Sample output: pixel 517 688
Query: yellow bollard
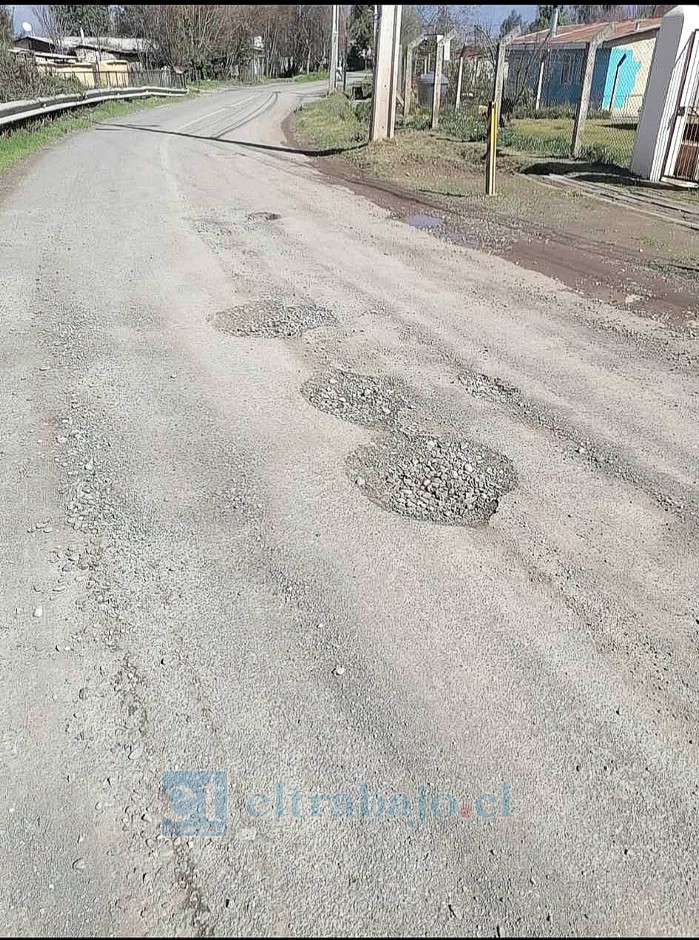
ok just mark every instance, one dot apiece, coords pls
pixel 492 149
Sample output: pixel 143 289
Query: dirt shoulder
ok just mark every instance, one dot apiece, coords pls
pixel 634 258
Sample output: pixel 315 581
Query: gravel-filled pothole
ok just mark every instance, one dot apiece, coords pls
pixel 272 318
pixel 364 399
pixel 452 482
pixel 492 389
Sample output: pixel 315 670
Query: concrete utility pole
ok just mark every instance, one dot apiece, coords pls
pixel 584 103
pixel 460 79
pixel 334 35
pixel 408 77
pixel 500 61
pixel 437 87
pixel 387 57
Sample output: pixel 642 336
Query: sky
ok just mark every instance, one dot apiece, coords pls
pixel 488 14
pixel 494 13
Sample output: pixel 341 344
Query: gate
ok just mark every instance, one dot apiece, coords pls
pixel 682 161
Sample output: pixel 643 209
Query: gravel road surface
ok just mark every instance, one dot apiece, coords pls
pixel 490 728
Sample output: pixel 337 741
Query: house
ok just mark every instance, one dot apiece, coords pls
pixel 84 48
pixel 548 69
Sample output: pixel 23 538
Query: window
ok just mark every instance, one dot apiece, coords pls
pixel 571 68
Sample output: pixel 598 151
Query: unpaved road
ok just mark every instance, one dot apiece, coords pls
pixel 193 577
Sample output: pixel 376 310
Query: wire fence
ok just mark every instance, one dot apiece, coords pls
pixel 544 92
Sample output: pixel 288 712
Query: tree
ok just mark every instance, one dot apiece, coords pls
pixel 93 19
pixel 6 30
pixel 512 20
pixel 544 16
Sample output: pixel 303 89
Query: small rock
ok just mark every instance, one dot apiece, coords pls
pixel 135 753
pixel 38 612
pixel 79 864
pixel 339 671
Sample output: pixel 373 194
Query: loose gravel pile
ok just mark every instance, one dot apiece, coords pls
pixel 363 399
pixel 452 482
pixel 492 389
pixel 271 318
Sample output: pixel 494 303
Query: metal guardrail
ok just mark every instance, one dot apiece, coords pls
pixel 14 111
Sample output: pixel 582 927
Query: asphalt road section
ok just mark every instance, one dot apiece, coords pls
pixel 398 537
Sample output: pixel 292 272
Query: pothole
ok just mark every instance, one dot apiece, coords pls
pixel 212 227
pixel 364 399
pixel 492 389
pixel 263 216
pixel 272 318
pixel 419 220
pixel 451 482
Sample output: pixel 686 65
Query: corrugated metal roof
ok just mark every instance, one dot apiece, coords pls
pixel 583 33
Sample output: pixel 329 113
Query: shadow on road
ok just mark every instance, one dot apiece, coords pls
pixel 591 172
pixel 150 129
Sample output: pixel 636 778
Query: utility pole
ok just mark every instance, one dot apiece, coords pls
pixel 345 21
pixel 386 63
pixel 332 76
pixel 460 79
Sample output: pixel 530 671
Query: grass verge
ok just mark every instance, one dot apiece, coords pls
pixel 311 76
pixel 332 123
pixel 19 143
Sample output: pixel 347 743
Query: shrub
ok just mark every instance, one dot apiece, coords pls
pixel 526 110
pixel 20 79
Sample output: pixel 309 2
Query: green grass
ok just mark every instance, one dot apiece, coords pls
pixel 331 123
pixel 312 76
pixel 17 144
pixel 546 137
pixel 601 142
pixel 204 84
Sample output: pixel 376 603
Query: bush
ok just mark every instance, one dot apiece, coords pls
pixel 463 125
pixel 599 153
pixel 526 110
pixel 20 79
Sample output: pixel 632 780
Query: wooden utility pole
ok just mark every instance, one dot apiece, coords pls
pixel 387 56
pixel 408 77
pixel 584 104
pixel 437 87
pixel 334 36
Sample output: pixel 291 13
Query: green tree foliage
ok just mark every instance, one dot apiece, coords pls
pixel 93 19
pixel 411 24
pixel 361 28
pixel 512 20
pixel 544 14
pixel 6 30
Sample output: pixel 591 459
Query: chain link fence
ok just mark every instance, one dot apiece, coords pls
pixel 544 90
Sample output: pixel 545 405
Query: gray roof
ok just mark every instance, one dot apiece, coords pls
pixel 111 43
